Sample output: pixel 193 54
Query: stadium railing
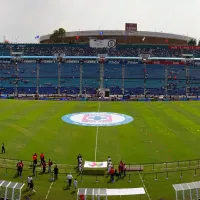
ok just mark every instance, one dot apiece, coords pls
pixel 147 167
pixel 144 176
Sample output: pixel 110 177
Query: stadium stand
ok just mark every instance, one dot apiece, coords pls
pixel 134 76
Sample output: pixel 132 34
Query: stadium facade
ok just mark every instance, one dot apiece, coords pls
pixel 123 37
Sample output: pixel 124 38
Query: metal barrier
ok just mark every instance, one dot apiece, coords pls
pixel 147 167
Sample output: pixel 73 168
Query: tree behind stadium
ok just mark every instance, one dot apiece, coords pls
pixel 58 36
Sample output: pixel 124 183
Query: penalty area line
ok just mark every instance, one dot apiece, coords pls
pixel 97 132
pixel 49 190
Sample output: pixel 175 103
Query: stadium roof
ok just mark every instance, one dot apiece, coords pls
pixel 112 33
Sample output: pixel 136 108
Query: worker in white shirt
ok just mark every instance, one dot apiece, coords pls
pixel 75 184
pixel 29 179
pixel 69 178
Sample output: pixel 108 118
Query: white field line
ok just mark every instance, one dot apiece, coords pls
pixel 97 132
pixel 49 190
pixel 144 186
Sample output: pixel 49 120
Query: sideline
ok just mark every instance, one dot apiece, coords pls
pixel 144 186
pixel 49 190
pixel 97 132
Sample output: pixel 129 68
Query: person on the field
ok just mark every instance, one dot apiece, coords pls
pixel 80 168
pixel 3 148
pixel 75 184
pixel 50 163
pixel 43 166
pixel 32 187
pixel 112 174
pixel 34 167
pixel 119 171
pixel 116 174
pixel 69 178
pixel 124 169
pixel 80 160
pixel 41 158
pixel 55 172
pixel 29 179
pixel 121 166
pixel 35 159
pixel 79 155
pixel 19 168
pixel 28 197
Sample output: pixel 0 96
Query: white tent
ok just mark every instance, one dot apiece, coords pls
pixel 187 190
pixel 103 192
pixel 10 190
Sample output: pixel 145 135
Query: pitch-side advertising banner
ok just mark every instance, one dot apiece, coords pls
pixel 106 43
pixel 90 164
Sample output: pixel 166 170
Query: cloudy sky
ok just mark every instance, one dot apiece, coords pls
pixel 25 19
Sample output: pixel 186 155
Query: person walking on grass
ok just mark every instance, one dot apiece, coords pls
pixel 75 184
pixel 29 179
pixel 50 163
pixel 32 187
pixel 43 166
pixel 41 158
pixel 3 148
pixel 124 169
pixel 55 171
pixel 69 178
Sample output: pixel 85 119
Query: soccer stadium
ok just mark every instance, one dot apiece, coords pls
pixel 104 114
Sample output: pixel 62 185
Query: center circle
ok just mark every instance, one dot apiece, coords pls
pixel 97 119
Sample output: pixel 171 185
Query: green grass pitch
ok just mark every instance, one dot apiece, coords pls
pixel 160 132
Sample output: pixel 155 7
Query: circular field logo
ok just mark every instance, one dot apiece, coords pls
pixel 97 119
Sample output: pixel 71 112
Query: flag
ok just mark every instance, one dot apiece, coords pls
pixel 143 39
pixel 37 37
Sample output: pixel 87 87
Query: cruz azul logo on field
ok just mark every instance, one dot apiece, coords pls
pixel 97 119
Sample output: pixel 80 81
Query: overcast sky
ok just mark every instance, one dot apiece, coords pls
pixel 27 18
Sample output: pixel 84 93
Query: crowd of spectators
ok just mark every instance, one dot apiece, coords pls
pixel 49 50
